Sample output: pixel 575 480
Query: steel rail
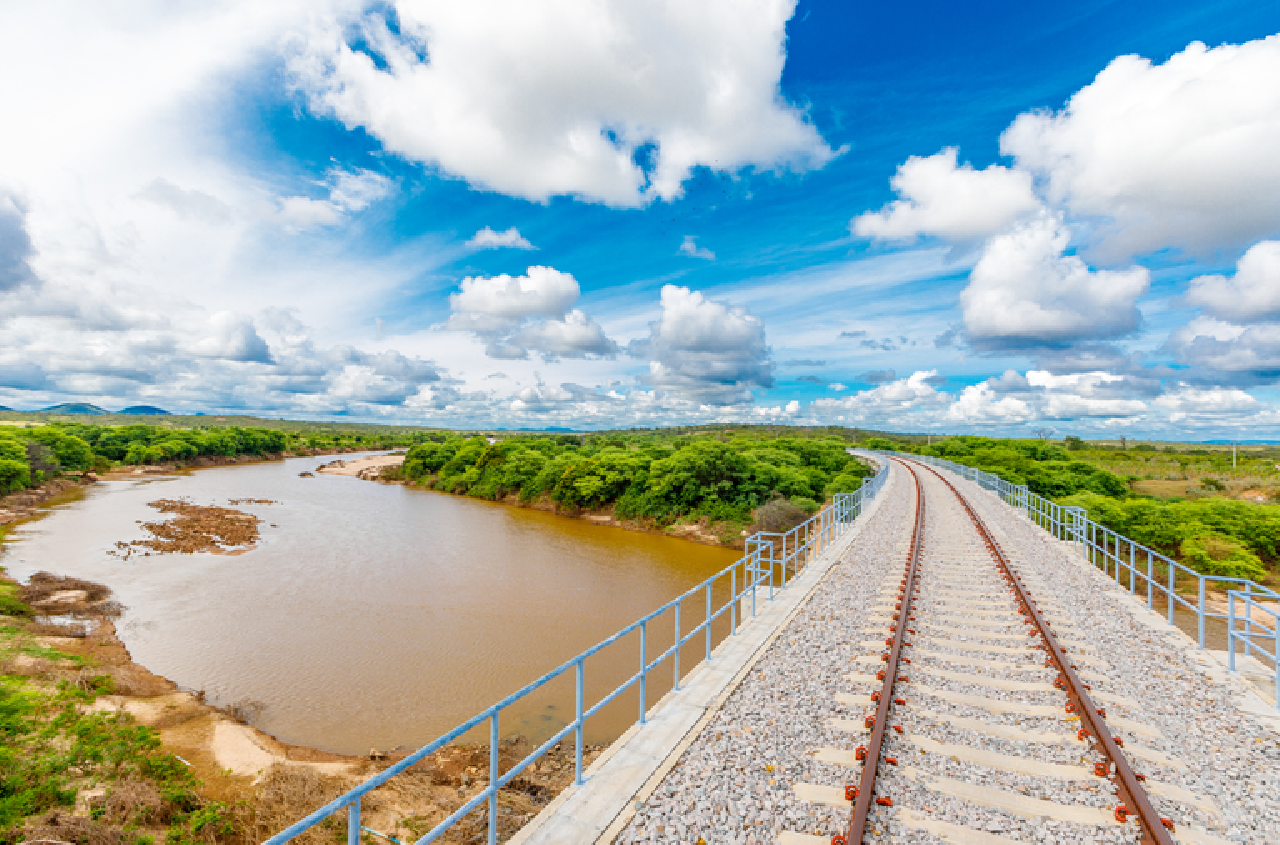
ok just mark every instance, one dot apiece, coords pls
pixel 862 795
pixel 1134 797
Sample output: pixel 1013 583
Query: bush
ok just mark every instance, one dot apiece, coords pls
pixel 14 475
pixel 1215 554
pixel 1213 536
pixel 777 517
pixel 809 506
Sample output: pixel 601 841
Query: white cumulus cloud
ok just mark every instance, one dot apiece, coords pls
pixel 541 292
pixel 704 350
pixel 501 311
pixel 949 201
pixel 1179 154
pixel 486 238
pixel 1025 291
pixel 611 100
pixel 1251 295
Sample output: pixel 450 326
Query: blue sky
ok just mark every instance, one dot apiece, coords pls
pixel 947 217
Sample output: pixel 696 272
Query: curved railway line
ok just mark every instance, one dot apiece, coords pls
pixel 961 678
pixel 960 601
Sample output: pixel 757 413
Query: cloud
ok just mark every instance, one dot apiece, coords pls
pixel 186 202
pixel 1251 295
pixel 878 376
pixel 704 350
pixel 486 238
pixel 1025 292
pixel 1220 351
pixel 543 399
pixel 1193 404
pixel 896 400
pixel 884 344
pixel 500 310
pixel 575 336
pixel 611 102
pixel 349 191
pixel 791 409
pixel 541 292
pixel 15 244
pixel 1179 154
pixel 810 379
pixel 853 334
pixel 1083 395
pixel 804 362
pixel 953 202
pixel 690 247
pixel 947 338
pixel 232 337
pixel 837 386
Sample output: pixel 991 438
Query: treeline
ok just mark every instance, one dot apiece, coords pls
pixel 1215 536
pixel 1048 469
pixel 660 478
pixel 29 456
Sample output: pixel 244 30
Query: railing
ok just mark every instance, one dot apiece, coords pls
pixel 1125 559
pixel 769 561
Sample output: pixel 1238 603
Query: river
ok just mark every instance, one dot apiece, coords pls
pixel 371 615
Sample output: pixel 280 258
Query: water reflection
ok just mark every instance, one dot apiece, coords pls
pixel 371 615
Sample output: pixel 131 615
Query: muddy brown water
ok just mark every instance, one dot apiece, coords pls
pixel 377 616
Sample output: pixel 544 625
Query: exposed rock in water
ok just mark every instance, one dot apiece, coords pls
pixel 195 529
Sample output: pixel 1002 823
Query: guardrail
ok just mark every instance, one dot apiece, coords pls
pixel 1119 556
pixel 769 561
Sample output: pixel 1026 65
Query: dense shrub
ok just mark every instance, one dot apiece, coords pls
pixel 778 516
pixel 1215 536
pixel 662 479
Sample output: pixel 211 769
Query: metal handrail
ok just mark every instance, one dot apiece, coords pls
pixel 769 559
pixel 1118 556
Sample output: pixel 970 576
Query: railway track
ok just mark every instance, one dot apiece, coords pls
pixel 966 646
pixel 942 689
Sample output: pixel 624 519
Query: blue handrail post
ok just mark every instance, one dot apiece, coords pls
pixel 755 579
pixel 708 622
pixel 1201 612
pixel 353 822
pixel 577 768
pixel 1231 632
pixel 495 772
pixel 733 599
pixel 1173 581
pixel 644 664
pixel 675 685
pixel 1151 581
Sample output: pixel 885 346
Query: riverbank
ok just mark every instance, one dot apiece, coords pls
pixel 182 762
pixel 723 535
pixel 236 784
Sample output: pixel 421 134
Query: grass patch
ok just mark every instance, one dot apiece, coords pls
pixel 53 746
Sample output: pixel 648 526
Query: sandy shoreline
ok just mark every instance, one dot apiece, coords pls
pixel 361 465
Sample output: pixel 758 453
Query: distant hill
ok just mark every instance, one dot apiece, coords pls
pixel 3 408
pixel 75 408
pixel 146 410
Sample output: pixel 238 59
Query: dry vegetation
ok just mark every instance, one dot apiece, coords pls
pixel 196 528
